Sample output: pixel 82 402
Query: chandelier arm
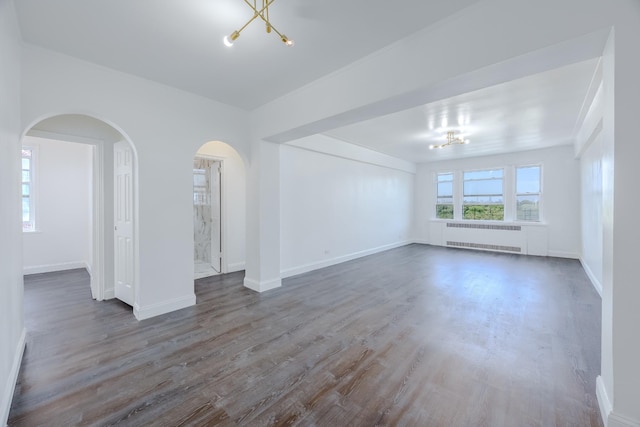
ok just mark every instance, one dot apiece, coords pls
pixel 263 14
pixel 248 22
pixel 259 12
pixel 276 31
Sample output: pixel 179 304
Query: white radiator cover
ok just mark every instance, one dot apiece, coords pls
pixel 512 238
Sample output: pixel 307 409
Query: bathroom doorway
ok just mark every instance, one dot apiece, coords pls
pixel 207 216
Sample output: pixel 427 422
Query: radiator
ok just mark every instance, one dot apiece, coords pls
pixel 492 237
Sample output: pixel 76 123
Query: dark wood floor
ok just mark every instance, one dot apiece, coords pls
pixel 415 336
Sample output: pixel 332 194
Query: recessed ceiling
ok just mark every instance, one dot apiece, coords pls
pixel 533 112
pixel 179 42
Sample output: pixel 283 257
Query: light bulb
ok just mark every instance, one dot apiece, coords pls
pixel 228 40
pixel 287 41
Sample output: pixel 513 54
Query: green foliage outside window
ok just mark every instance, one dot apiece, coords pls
pixel 486 212
pixel 444 211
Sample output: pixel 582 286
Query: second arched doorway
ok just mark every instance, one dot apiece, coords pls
pixel 219 210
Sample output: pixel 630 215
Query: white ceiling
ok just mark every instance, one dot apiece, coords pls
pixel 179 43
pixel 534 112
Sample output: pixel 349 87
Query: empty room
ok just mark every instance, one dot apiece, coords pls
pixel 286 212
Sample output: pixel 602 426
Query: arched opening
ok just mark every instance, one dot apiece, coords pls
pixel 71 212
pixel 219 210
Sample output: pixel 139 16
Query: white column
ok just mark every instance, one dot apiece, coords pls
pixel 262 270
pixel 619 384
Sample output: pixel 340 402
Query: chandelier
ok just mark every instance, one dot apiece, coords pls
pixel 451 140
pixel 262 13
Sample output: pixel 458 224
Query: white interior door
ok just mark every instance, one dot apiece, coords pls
pixel 216 216
pixel 123 193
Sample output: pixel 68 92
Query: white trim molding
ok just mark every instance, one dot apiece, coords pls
pixel 7 395
pixel 263 286
pixel 337 260
pixel 609 417
pixel 563 254
pixel 164 307
pixel 594 280
pixel 49 268
pixel 236 266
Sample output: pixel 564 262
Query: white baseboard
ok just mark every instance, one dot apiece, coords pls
pixel 617 420
pixel 603 400
pixel 609 417
pixel 109 293
pixel 263 286
pixel 562 254
pixel 293 271
pixel 49 268
pixel 594 280
pixel 420 242
pixel 10 387
pixel 236 266
pixel 164 307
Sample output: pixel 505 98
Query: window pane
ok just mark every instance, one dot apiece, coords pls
pixel 482 195
pixel 486 212
pixel 25 209
pixel 528 207
pixel 26 176
pixel 445 189
pixel 528 180
pixel 483 187
pixel 444 211
pixel 26 163
pixel 445 177
pixel 25 189
pixel 488 174
pixel 484 200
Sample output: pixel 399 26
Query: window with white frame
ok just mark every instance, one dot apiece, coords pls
pixel 482 197
pixel 528 193
pixel 28 200
pixel 444 203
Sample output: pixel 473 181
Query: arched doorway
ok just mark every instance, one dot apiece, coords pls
pixel 103 259
pixel 219 210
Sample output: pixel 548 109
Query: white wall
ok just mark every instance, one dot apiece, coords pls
pixel 560 194
pixel 63 201
pixel 591 212
pixel 166 127
pixel 234 202
pixel 11 317
pixel 589 149
pixel 335 208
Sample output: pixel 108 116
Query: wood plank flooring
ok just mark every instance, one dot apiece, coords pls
pixel 415 336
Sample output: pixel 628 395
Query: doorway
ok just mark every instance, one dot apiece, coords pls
pixel 99 257
pixel 207 216
pixel 219 208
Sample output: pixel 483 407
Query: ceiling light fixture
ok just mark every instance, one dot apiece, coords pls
pixel 262 14
pixel 451 140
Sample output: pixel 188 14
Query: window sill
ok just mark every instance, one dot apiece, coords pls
pixel 492 222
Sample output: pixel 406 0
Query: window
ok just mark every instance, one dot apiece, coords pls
pixel 444 203
pixel 482 195
pixel 201 197
pixel 28 210
pixel 528 193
